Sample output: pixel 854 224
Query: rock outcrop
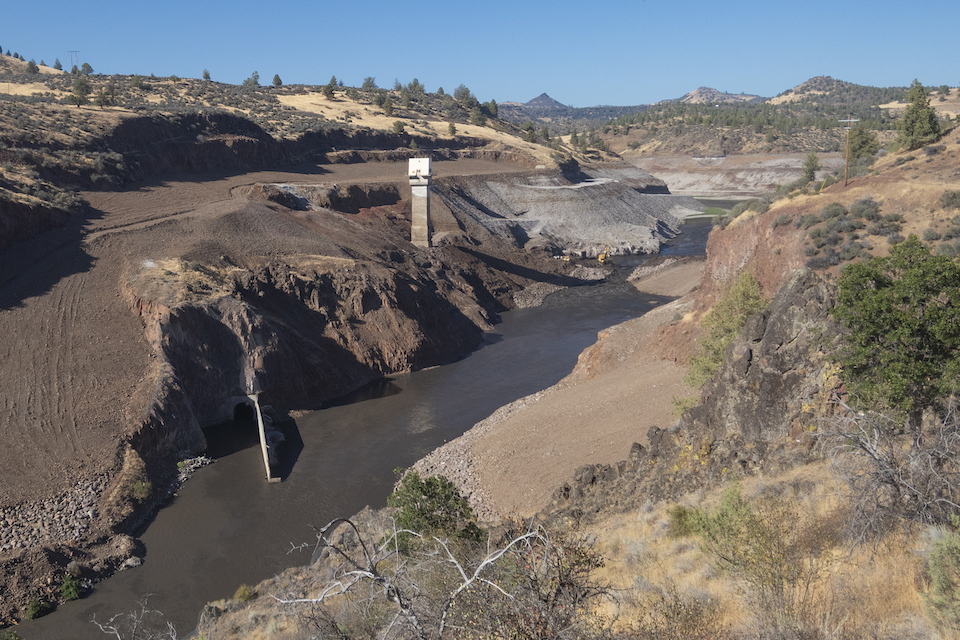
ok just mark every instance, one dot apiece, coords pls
pixel 301 336
pixel 754 415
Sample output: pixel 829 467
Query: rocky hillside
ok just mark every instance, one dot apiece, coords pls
pixel 706 95
pixel 799 120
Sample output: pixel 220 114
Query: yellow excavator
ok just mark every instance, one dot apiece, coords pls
pixel 604 256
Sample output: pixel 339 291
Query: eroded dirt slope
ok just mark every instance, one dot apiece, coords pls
pixel 73 352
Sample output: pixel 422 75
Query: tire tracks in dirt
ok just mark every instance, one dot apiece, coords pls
pixel 73 354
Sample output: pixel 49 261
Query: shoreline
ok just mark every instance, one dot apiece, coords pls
pixel 511 462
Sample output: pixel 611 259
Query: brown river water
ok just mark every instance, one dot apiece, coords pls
pixel 228 526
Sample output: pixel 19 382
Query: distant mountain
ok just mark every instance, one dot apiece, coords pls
pixel 559 117
pixel 543 101
pixel 706 95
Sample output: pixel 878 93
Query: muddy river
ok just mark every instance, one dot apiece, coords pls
pixel 228 526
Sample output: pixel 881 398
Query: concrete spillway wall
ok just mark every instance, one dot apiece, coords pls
pixel 253 401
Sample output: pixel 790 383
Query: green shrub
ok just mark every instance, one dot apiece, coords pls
pixel 245 593
pixel 781 220
pixel 681 522
pixel 673 614
pixel 433 506
pixel 833 210
pixel 758 205
pixel 950 200
pixel 37 609
pixel 70 589
pixel 771 548
pixel 142 489
pixel 808 221
pixel 865 208
pixel 943 598
pixel 818 263
pixel 948 249
pixel 930 235
pixel 903 350
pixel 10 634
pixel 721 325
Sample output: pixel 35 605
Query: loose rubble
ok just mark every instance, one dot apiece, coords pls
pixel 67 518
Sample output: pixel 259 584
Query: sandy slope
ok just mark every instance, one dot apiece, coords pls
pixel 513 461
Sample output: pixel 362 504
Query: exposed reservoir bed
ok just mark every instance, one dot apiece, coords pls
pixel 228 526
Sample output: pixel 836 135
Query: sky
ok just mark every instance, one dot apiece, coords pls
pixel 603 52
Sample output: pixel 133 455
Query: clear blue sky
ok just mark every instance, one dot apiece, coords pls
pixel 580 53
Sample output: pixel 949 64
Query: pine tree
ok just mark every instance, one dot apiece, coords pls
pixel 918 125
pixel 81 89
pixel 863 143
pixel 277 82
pixel 477 118
pixel 810 167
pixel 57 65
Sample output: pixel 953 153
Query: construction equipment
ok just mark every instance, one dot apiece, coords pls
pixel 604 256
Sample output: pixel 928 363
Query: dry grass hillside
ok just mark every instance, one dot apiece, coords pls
pixel 676 584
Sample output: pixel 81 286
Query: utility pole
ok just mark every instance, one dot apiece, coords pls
pixel 846 168
pixel 74 59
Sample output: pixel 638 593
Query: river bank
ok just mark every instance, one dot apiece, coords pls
pixel 511 462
